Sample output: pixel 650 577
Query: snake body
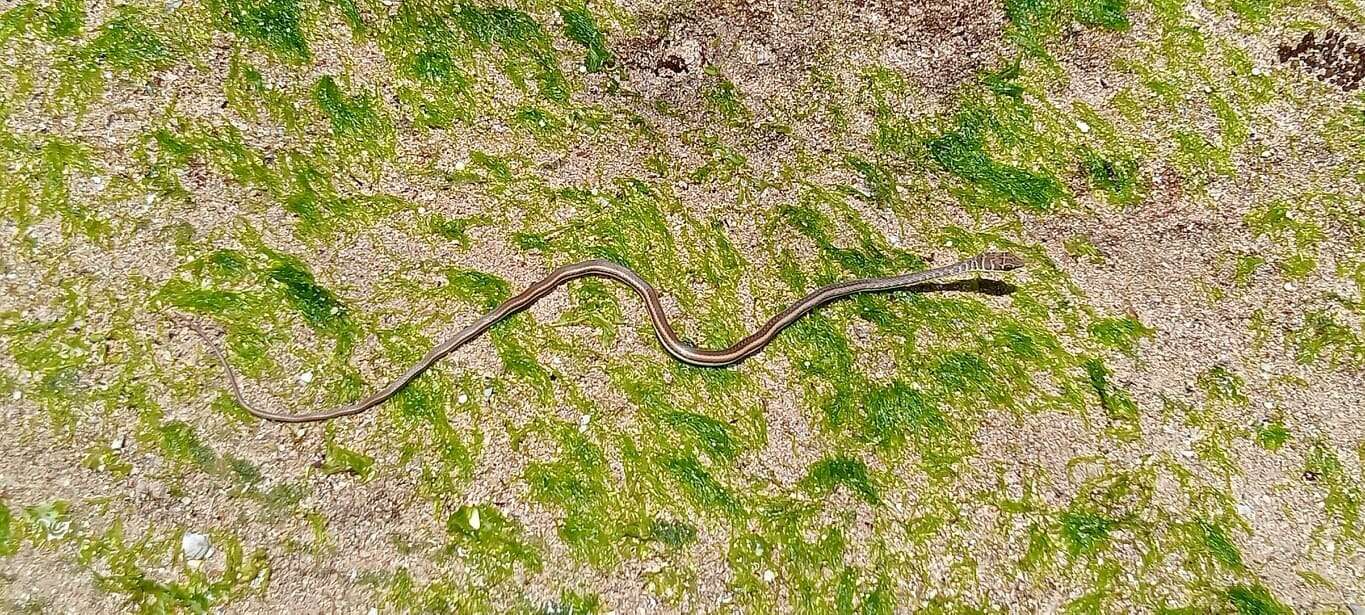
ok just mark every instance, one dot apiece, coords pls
pixel 680 350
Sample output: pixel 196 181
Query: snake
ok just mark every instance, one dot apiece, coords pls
pixel 668 338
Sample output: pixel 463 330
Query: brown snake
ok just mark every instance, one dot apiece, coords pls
pixel 741 350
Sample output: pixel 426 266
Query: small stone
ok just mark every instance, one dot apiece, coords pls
pixel 16 395
pixel 487 393
pixel 306 377
pixel 462 399
pixel 195 546
pixel 1256 71
pixel 373 611
pixel 1083 127
pixel 460 165
pixel 119 442
pixel 474 519
pixel 768 576
pixel 1289 287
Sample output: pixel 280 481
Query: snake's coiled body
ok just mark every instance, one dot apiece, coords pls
pixel 745 348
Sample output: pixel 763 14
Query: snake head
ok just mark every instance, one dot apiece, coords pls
pixel 999 261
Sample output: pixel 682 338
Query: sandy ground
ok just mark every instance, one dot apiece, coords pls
pixel 1161 257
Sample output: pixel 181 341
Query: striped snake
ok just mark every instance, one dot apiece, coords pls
pixel 682 351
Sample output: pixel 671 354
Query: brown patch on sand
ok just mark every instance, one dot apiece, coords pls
pixel 1330 56
pixel 772 48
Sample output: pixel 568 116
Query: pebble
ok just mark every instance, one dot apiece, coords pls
pixel 768 576
pixel 16 395
pixel 474 519
pixel 195 546
pixel 119 442
pixel 306 377
pixel 462 399
pixel 1083 127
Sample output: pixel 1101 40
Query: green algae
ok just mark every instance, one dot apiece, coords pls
pixel 324 212
pixel 724 99
pixel 672 533
pixel 1323 337
pixel 1272 435
pixel 578 485
pixel 496 545
pixel 64 19
pixel 827 475
pixel 41 186
pixel 9 531
pixel 1085 532
pixel 340 460
pixel 357 121
pixel 581 28
pixel 1119 408
pixel 1035 22
pixel 699 486
pixel 525 46
pixel 1254 600
pixel 1342 495
pixel 130 44
pixel 121 565
pixel 961 153
pixel 273 25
